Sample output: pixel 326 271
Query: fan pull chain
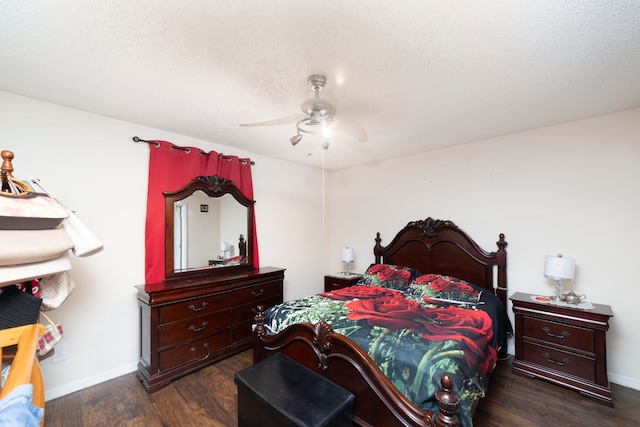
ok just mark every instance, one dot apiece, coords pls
pixel 323 210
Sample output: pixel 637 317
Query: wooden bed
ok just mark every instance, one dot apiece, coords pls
pixel 430 246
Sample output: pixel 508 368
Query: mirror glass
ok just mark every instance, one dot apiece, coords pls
pixel 209 229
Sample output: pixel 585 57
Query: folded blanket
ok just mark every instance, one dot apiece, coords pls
pixel 29 246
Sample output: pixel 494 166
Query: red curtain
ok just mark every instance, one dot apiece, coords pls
pixel 171 168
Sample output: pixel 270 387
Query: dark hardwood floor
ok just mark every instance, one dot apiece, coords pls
pixel 208 398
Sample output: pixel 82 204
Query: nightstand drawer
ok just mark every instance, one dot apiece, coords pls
pixel 558 333
pixel 569 363
pixel 332 283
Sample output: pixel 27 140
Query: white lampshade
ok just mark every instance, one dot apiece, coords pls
pixel 559 268
pixel 224 246
pixel 348 254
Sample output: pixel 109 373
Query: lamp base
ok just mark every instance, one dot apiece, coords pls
pixel 347 274
pixel 558 295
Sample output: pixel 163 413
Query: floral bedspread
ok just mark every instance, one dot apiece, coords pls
pixel 414 328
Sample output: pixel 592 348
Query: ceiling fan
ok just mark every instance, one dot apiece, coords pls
pixel 318 118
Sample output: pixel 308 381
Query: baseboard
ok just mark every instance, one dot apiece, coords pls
pixel 624 381
pixel 54 393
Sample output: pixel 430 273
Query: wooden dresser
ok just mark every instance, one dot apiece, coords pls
pixel 564 345
pixel 187 324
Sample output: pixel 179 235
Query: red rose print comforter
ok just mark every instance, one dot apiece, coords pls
pixel 415 327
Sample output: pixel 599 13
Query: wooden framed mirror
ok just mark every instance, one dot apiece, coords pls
pixel 208 229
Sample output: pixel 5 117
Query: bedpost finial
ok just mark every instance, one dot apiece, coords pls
pixel 377 248
pixel 448 403
pixel 7 156
pixel 7 168
pixel 502 244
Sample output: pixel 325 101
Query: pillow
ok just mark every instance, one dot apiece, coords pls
pixel 444 287
pixel 389 276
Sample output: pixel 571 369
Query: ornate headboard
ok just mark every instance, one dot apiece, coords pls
pixel 437 246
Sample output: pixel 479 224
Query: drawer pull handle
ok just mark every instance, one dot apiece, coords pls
pixel 556 362
pixel 257 293
pixel 194 308
pixel 193 352
pixel 200 329
pixel 561 337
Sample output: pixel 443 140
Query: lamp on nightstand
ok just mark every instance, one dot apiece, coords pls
pixel 559 269
pixel 224 248
pixel 348 256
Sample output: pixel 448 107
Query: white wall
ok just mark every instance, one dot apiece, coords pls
pixel 572 189
pixel 91 163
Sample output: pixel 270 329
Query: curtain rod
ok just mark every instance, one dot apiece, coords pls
pixel 186 149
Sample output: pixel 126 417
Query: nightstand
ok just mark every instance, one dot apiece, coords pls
pixel 564 345
pixel 339 281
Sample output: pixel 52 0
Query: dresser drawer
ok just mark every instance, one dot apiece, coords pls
pixel 252 294
pixel 563 361
pixel 195 307
pixel 196 351
pixel 242 332
pixel 558 333
pixel 246 313
pixel 194 328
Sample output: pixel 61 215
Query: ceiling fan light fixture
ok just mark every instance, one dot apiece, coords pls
pixel 318 118
pixel 295 139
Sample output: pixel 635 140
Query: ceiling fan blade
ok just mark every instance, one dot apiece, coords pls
pixel 294 118
pixel 351 127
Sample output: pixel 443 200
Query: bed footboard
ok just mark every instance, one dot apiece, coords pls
pixel 378 401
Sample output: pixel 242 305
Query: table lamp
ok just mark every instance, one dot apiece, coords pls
pixel 559 269
pixel 224 248
pixel 348 256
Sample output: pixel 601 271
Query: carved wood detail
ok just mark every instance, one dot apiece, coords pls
pixel 431 226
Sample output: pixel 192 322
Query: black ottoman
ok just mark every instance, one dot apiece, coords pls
pixel 280 392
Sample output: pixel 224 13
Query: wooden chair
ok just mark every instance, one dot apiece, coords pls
pixel 24 367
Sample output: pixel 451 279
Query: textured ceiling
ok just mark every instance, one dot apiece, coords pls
pixel 417 74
